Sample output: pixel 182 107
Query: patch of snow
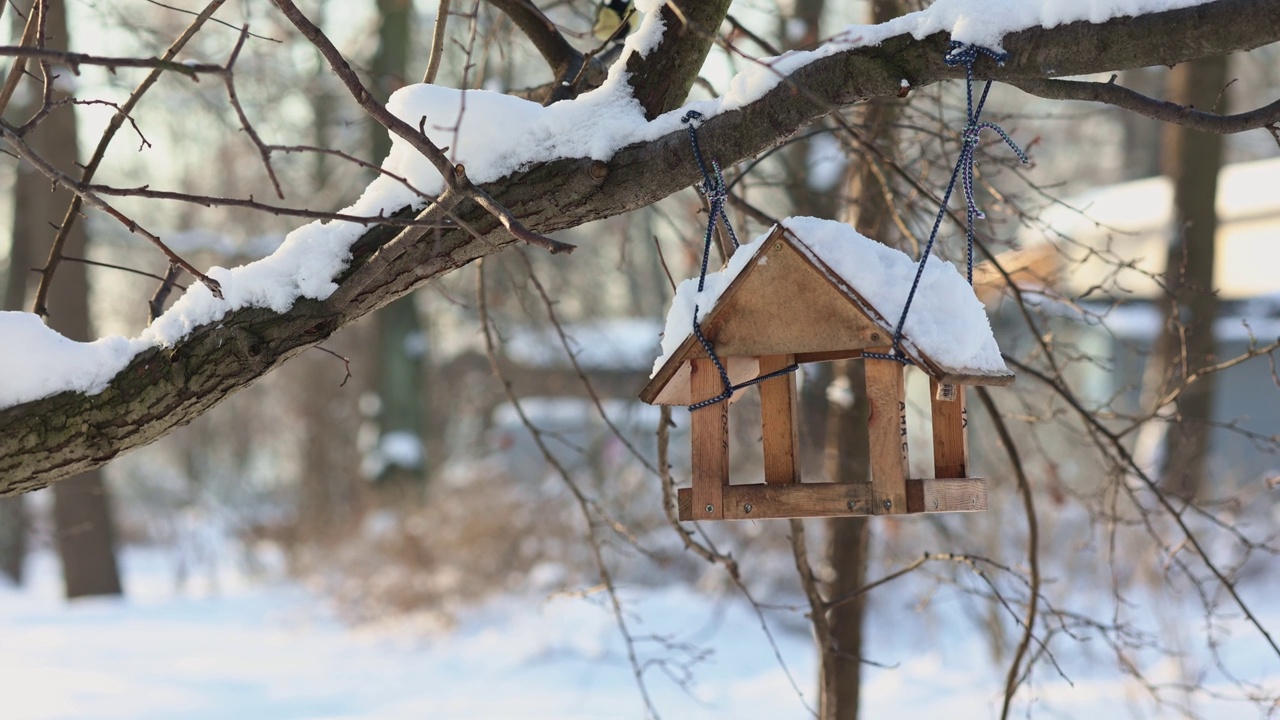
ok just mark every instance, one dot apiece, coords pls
pixel 947 322
pixel 986 22
pixel 689 299
pixel 494 135
pixel 36 361
pixel 401 448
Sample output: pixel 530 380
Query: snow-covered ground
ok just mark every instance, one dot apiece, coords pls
pixel 274 651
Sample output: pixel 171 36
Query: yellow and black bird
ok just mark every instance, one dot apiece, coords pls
pixel 610 14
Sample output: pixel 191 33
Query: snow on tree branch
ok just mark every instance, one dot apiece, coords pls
pixel 555 167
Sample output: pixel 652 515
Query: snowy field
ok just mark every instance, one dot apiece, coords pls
pixel 274 651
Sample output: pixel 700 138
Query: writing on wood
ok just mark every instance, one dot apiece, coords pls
pixel 887 396
pixel 950 437
pixel 710 433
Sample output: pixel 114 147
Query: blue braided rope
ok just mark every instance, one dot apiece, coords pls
pixel 714 189
pixel 966 55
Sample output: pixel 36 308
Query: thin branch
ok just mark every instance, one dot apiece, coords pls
pixel 97 263
pixel 74 60
pixel 92 200
pixel 346 362
pixel 455 177
pixel 40 306
pixel 1112 94
pixel 229 81
pixel 145 191
pixel 155 308
pixel 543 33
pixel 584 503
pixel 437 41
pixel 1014 676
pixel 216 20
pixel 20 64
pixel 1136 469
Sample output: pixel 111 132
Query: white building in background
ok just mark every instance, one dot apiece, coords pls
pixel 1133 221
pixel 1111 245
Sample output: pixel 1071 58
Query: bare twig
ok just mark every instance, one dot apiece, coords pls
pixel 1112 94
pixel 156 306
pixel 346 363
pixel 20 64
pixel 111 266
pixel 584 503
pixel 145 191
pixel 117 120
pixel 216 20
pixel 454 175
pixel 74 60
pixel 1033 550
pixel 92 200
pixel 437 41
pixel 229 80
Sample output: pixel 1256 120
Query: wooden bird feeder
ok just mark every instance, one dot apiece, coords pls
pixel 788 306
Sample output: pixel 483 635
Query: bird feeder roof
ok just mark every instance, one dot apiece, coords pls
pixel 818 290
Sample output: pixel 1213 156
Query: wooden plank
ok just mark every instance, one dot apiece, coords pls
pixel 887 395
pixel 764 502
pixel 950 436
pixel 947 495
pixel 833 355
pixel 779 421
pixel 710 433
pixel 677 389
pixel 780 304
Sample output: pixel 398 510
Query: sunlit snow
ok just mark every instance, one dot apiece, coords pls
pixel 492 135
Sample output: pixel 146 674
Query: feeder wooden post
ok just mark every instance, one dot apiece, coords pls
pixel 710 433
pixel 887 395
pixel 779 421
pixel 950 439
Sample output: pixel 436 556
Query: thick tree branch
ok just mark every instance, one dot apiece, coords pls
pixel 1162 110
pixel 661 79
pixel 545 36
pixel 163 388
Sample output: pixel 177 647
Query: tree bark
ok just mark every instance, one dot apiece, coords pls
pixel 401 338
pixel 163 388
pixel 850 538
pixel 81 510
pixel 1191 160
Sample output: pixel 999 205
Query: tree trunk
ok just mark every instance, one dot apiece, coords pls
pixel 849 539
pixel 1191 160
pixel 82 518
pixel 402 341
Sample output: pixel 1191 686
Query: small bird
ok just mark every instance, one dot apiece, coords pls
pixel 610 14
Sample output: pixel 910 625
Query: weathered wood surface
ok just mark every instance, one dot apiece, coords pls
pixel 764 501
pixel 887 424
pixel 950 436
pixel 710 439
pixel 165 388
pixel 779 421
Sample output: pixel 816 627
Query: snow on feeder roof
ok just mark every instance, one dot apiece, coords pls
pixel 820 290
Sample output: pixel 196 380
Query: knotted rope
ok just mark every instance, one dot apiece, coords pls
pixel 713 188
pixel 966 55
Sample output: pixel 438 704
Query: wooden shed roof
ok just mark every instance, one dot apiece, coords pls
pixel 788 300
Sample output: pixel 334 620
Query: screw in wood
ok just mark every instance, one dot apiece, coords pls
pixel 746 507
pixel 710 507
pixel 888 504
pixel 777 246
pixel 852 504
